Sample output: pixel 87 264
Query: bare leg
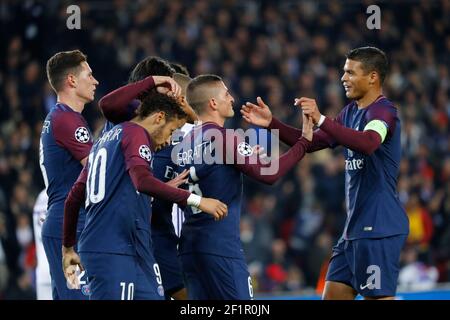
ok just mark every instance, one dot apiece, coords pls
pixel 338 291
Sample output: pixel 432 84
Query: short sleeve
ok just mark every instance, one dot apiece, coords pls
pixel 71 132
pixel 379 116
pixel 237 150
pixel 136 146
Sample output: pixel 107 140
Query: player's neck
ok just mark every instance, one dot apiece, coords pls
pixel 369 98
pixel 73 102
pixel 212 118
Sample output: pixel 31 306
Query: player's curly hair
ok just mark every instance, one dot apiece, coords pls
pixel 156 102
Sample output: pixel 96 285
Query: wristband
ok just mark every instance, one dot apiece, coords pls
pixel 321 120
pixel 194 200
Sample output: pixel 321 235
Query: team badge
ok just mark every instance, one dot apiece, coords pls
pixel 245 149
pixel 86 290
pixel 82 135
pixel 145 153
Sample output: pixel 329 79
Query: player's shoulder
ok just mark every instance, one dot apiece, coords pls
pixel 209 126
pixel 129 127
pixel 204 131
pixel 384 101
pixel 67 123
pixel 133 133
pixel 63 113
pixel 382 105
pixel 349 107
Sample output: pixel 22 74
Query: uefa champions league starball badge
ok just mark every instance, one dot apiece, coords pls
pixel 145 153
pixel 245 149
pixel 82 135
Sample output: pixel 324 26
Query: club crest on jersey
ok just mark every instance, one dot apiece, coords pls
pixel 145 153
pixel 86 290
pixel 245 149
pixel 82 135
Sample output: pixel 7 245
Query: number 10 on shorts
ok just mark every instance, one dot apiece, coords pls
pixel 127 291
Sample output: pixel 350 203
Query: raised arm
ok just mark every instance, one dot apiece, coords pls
pixel 269 172
pixel 259 114
pixel 120 104
pixel 380 121
pixel 143 180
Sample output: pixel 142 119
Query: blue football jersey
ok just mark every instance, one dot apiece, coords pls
pixel 373 207
pixel 65 140
pixel 165 169
pixel 118 216
pixel 200 232
pixel 125 115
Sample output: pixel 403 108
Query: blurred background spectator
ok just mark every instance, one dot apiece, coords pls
pixel 276 50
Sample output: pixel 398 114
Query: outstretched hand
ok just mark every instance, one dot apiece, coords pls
pixel 259 114
pixel 180 179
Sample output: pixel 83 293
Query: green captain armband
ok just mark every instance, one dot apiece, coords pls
pixel 378 126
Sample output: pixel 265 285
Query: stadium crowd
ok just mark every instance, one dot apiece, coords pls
pixel 278 50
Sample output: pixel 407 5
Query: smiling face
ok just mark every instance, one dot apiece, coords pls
pixel 85 83
pixel 355 80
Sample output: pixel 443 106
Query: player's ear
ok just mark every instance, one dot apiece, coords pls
pixel 71 80
pixel 373 78
pixel 160 117
pixel 213 103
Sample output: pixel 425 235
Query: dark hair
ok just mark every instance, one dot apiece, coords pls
pixel 155 102
pixel 151 66
pixel 196 93
pixel 179 68
pixel 372 59
pixel 61 64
